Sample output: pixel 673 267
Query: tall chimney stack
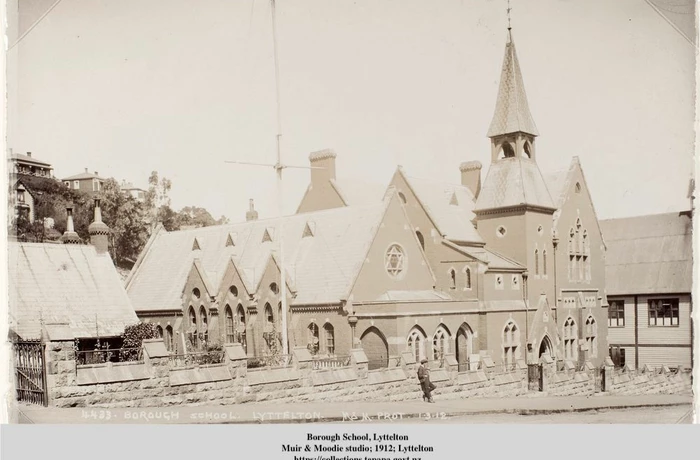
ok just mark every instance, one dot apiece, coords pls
pixel 252 214
pixel 323 167
pixel 70 236
pixel 471 176
pixel 29 154
pixel 99 232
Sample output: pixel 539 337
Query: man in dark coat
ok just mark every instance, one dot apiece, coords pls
pixel 424 379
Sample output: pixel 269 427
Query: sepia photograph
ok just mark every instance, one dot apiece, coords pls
pixel 349 212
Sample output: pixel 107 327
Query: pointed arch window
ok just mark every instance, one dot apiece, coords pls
pixel 192 330
pixel 159 331
pixel 203 327
pixel 240 327
pixel 169 338
pixel 329 336
pixel 537 262
pixel 416 343
pixel 441 343
pixel 511 345
pixel 421 240
pixel 468 278
pixel 312 339
pixel 230 325
pixel 544 262
pixel 592 337
pixel 453 279
pixel 570 334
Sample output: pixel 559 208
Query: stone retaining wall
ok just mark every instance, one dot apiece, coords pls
pixel 155 382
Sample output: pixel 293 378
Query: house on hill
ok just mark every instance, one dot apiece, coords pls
pixel 26 164
pixel 87 182
pixel 649 270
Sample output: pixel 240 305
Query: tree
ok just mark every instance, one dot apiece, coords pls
pixel 157 197
pixel 127 219
pixel 198 217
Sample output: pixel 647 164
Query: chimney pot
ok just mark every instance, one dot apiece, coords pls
pixel 471 176
pixel 85 169
pixel 252 214
pixel 96 173
pixel 323 164
pixel 29 154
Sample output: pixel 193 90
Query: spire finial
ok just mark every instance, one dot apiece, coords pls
pixel 508 12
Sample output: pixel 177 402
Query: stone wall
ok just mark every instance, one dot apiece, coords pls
pixel 156 382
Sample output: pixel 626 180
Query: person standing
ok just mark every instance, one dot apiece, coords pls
pixel 424 379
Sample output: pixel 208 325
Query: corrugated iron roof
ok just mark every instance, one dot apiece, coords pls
pixel 648 254
pixel 512 112
pixel 72 284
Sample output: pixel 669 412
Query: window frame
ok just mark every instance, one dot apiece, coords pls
pixel 616 311
pixel 654 305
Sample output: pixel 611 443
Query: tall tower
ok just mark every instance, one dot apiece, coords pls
pixel 514 208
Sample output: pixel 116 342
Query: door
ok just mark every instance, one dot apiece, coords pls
pixel 376 348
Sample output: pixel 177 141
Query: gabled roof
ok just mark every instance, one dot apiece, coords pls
pixel 66 283
pixel 512 112
pixel 494 260
pixel 512 182
pixel 320 268
pixel 650 254
pixel 454 221
pixel 358 193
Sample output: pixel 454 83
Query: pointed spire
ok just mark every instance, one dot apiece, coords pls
pixel 98 230
pixel 512 112
pixel 70 236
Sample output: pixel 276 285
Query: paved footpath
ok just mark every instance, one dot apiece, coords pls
pixel 334 412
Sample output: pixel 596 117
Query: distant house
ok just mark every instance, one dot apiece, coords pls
pixel 67 287
pixel 21 200
pixel 27 165
pixel 649 278
pixel 131 189
pixel 85 182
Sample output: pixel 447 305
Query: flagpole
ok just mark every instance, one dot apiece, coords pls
pixel 278 168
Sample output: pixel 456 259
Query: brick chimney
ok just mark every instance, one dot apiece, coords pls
pixel 471 176
pixel 29 154
pixel 252 214
pixel 99 232
pixel 70 236
pixel 323 163
pixel 85 169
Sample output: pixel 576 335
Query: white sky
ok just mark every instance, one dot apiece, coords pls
pixel 178 86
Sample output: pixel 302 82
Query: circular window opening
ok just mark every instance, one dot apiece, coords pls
pixel 274 288
pixel 395 261
pixel 403 197
pixel 196 293
pixel 234 291
pixel 501 231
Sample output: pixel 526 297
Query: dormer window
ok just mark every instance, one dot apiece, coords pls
pixel 309 230
pixel 195 245
pixel 267 236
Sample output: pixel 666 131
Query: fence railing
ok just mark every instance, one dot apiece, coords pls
pixel 273 361
pixel 203 358
pixel 116 355
pixel 333 362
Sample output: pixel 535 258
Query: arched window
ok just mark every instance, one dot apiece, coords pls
pixel 416 343
pixel 527 150
pixel 468 278
pixel 421 240
pixel 506 151
pixel 570 335
pixel 453 279
pixel 571 240
pixel 441 343
pixel 586 242
pixel 229 325
pixel 234 291
pixel 204 326
pixel 577 188
pixel 537 262
pixel 592 337
pixel 544 262
pixel 192 330
pixel 269 318
pixel 511 344
pixel 312 342
pixel 159 331
pixel 240 327
pixel 274 288
pixel 169 345
pixel 329 334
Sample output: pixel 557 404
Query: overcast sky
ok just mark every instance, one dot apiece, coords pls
pixel 127 87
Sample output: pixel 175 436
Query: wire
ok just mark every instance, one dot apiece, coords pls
pixel 34 25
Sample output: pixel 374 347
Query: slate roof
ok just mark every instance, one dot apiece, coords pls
pixel 449 206
pixel 65 283
pixel 512 112
pixel 648 254
pixel 413 296
pixel 512 182
pixel 82 176
pixel 359 193
pixel 321 268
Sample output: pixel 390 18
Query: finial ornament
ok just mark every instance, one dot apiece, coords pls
pixel 508 12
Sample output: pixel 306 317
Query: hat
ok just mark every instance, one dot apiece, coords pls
pixel 423 361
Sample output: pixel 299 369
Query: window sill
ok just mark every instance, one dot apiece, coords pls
pixel 662 326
